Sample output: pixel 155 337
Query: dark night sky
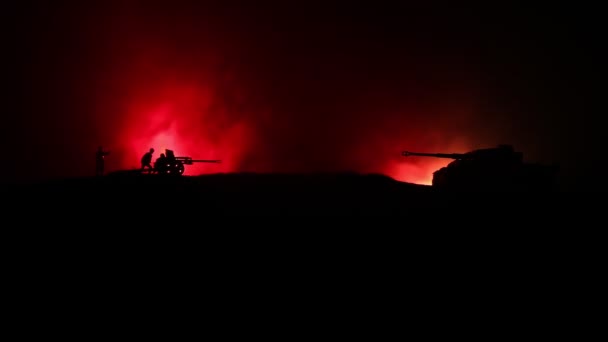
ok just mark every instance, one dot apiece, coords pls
pixel 298 85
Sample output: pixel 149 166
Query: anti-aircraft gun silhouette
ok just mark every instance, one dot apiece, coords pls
pixel 498 168
pixel 172 165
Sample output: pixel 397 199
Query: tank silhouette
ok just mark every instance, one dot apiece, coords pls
pixel 498 168
pixel 172 165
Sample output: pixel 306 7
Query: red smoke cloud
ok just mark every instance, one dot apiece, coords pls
pixel 282 87
pixel 268 111
pixel 199 117
pixel 192 119
pixel 189 120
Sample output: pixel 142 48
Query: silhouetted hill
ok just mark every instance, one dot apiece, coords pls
pixel 251 193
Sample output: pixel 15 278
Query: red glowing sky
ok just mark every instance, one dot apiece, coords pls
pixel 185 119
pixel 191 119
pixel 296 86
pixel 288 106
pixel 263 88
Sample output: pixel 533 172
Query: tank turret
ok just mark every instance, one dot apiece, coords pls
pixel 498 168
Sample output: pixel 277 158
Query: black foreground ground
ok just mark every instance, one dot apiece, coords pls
pixel 270 194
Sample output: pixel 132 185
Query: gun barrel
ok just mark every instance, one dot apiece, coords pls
pixel 188 160
pixel 206 160
pixel 436 155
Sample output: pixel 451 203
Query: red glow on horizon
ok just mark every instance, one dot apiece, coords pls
pixel 384 149
pixel 417 173
pixel 419 170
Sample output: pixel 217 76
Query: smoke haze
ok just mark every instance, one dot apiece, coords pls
pixel 273 87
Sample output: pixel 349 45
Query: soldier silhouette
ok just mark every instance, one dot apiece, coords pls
pixel 160 165
pixel 100 161
pixel 146 161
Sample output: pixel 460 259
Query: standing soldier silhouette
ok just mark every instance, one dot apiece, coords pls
pixel 100 156
pixel 146 161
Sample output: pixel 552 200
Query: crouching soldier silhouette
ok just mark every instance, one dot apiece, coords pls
pixel 100 156
pixel 160 165
pixel 146 161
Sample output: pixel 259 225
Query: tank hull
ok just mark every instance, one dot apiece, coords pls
pixel 488 178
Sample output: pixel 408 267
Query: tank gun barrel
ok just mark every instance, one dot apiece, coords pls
pixel 436 155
